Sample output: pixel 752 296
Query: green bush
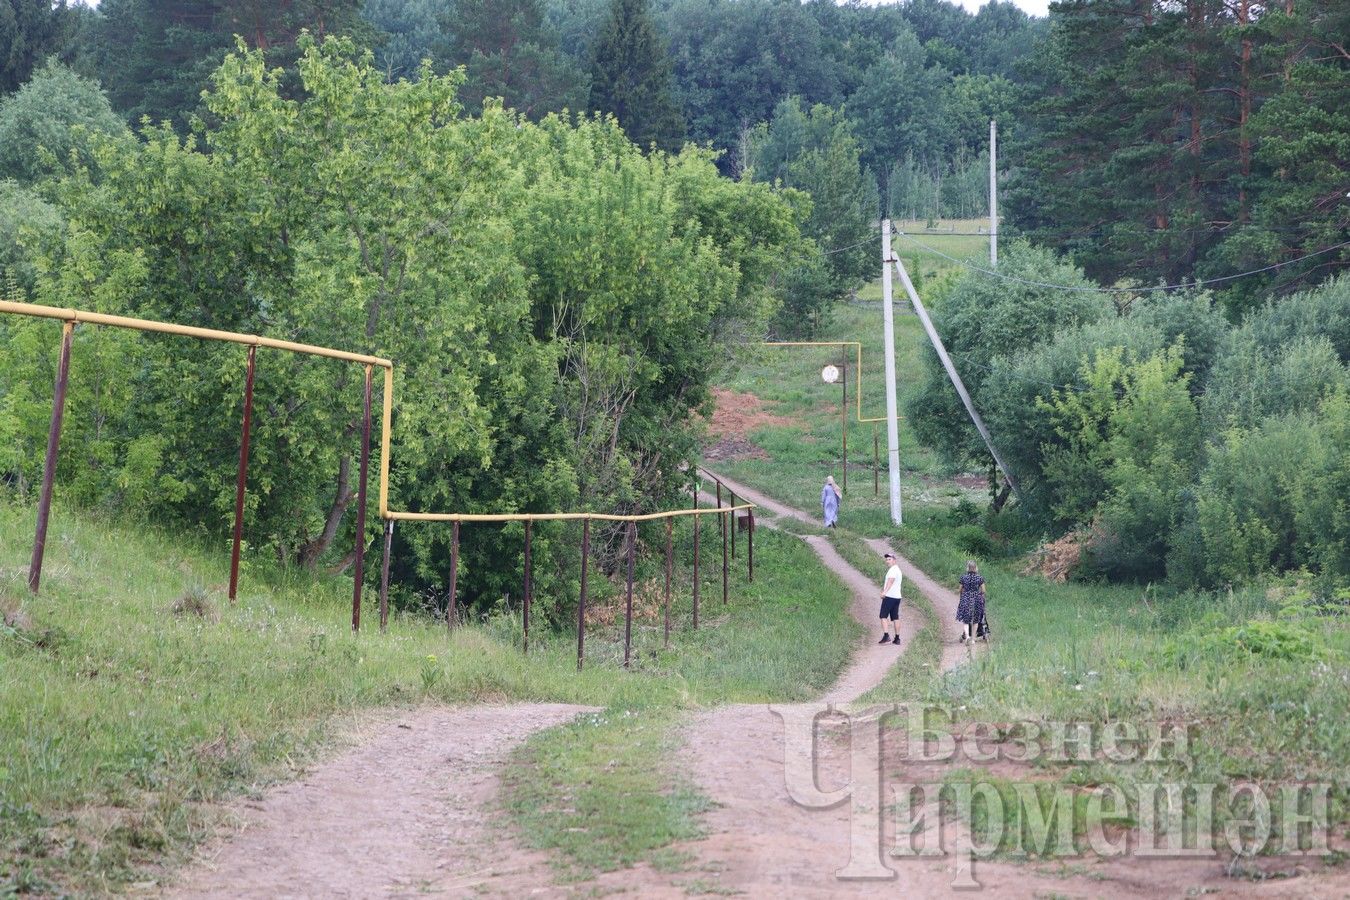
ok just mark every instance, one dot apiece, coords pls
pixel 1272 498
pixel 975 540
pixel 1273 640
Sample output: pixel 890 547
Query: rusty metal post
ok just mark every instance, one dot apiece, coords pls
pixel 670 549
pixel 628 614
pixel 243 469
pixel 49 461
pixel 722 521
pixel 361 508
pixel 384 574
pixel 581 606
pixel 723 517
pixel 750 545
pixel 696 531
pixel 733 525
pixel 529 589
pixel 876 463
pixel 451 607
pixel 843 417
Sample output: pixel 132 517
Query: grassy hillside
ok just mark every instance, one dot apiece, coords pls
pixel 133 697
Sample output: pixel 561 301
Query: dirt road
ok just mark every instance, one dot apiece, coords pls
pixel 409 811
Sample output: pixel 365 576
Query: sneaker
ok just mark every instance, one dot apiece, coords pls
pixel 885 639
pixel 897 643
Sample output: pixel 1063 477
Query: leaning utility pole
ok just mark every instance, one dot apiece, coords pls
pixel 951 371
pixel 993 194
pixel 892 425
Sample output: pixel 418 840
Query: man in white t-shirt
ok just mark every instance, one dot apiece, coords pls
pixel 890 601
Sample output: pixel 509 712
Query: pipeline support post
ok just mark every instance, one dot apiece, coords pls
pixel 628 606
pixel 49 460
pixel 581 605
pixel 733 523
pixel 750 544
pixel 243 471
pixel 723 517
pixel 529 590
pixel 670 552
pixel 843 413
pixel 696 530
pixel 876 463
pixel 361 507
pixel 451 608
pixel 384 574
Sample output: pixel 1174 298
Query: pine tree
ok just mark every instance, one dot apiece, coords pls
pixel 29 30
pixel 631 78
pixel 508 52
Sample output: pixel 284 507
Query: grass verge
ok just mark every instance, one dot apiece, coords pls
pixel 134 698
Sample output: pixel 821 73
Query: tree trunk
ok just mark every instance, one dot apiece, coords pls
pixel 314 549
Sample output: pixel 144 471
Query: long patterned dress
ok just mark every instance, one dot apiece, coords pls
pixel 971 607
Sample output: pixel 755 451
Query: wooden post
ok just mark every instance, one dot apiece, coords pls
pixel 525 609
pixel 451 608
pixel 239 478
pixel 581 606
pixel 359 574
pixel 49 461
pixel 628 613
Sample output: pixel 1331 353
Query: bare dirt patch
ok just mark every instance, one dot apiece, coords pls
pixel 734 417
pixel 408 812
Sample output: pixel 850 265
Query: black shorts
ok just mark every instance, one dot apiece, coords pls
pixel 890 608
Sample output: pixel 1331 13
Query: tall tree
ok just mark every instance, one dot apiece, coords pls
pixel 29 30
pixel 815 151
pixel 49 125
pixel 735 60
pixel 509 51
pixel 155 57
pixel 631 78
pixel 410 31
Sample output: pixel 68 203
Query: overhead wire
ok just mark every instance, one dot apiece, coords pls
pixel 1102 290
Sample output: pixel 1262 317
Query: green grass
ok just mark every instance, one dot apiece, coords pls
pixel 1067 652
pixel 124 724
pixel 598 792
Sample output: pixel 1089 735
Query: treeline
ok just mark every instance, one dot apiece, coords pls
pixel 556 303
pixel 909 89
pixel 1191 139
pixel 1173 444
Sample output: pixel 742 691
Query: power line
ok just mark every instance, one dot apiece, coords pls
pixel 1102 290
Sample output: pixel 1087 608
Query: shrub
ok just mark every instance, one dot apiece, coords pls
pixel 975 540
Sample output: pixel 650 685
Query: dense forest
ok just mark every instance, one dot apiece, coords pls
pixel 556 215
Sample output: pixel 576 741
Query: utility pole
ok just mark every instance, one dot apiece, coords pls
pixel 892 425
pixel 993 194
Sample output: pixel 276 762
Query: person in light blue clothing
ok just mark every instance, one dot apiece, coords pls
pixel 829 501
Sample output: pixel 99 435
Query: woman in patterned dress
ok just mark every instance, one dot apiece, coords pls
pixel 970 610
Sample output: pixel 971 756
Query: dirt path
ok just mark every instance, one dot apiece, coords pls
pixel 401 815
pixel 761 843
